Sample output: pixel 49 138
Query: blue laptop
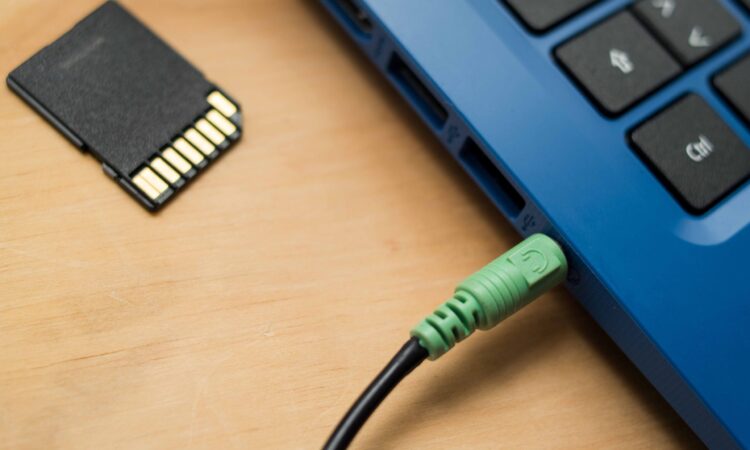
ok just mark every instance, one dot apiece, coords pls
pixel 621 128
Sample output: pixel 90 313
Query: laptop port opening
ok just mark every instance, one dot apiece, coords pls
pixel 356 16
pixel 491 179
pixel 417 92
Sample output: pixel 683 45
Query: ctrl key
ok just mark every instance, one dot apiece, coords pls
pixel 696 154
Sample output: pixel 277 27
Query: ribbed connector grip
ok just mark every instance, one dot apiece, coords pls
pixel 487 297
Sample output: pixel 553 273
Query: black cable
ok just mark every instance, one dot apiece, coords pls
pixel 406 360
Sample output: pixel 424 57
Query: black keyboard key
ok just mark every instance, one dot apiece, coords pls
pixel 540 15
pixel 694 152
pixel 691 29
pixel 734 85
pixel 617 62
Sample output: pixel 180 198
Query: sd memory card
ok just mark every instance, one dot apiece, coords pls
pixel 116 90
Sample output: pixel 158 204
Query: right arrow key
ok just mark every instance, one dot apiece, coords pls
pixel 692 29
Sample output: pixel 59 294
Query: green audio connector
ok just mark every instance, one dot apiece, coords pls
pixel 481 301
pixel 489 296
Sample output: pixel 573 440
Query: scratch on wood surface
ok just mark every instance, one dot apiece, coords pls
pixel 115 296
pixel 268 330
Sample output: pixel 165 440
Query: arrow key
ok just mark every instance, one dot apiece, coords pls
pixel 692 29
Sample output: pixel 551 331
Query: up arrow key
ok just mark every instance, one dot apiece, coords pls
pixel 621 60
pixel 697 39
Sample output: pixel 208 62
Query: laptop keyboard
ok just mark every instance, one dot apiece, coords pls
pixel 623 59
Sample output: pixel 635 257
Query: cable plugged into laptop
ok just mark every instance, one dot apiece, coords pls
pixel 481 301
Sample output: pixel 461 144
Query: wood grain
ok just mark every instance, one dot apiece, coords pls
pixel 252 310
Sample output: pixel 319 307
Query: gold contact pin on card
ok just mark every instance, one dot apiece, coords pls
pixel 177 161
pixel 188 151
pixel 199 142
pixel 153 179
pixel 218 101
pixel 221 122
pixel 165 170
pixel 145 187
pixel 210 131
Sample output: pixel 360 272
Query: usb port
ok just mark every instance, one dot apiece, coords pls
pixel 491 179
pixel 417 92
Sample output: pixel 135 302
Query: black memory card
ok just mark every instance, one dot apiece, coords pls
pixel 116 90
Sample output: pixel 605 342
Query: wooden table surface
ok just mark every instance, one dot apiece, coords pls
pixel 254 308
